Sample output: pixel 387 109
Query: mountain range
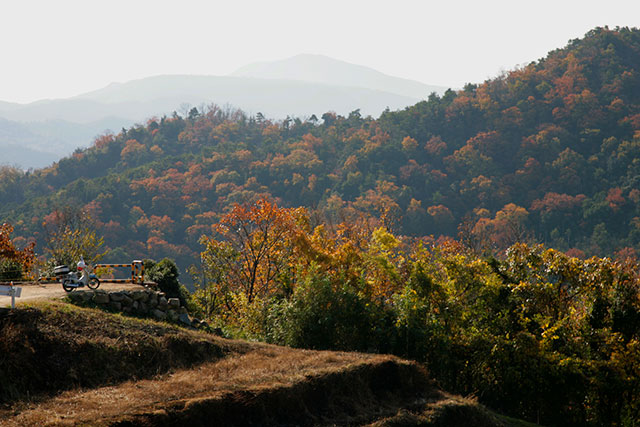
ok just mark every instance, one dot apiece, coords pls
pixel 38 133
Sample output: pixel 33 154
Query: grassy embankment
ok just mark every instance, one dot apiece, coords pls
pixel 64 365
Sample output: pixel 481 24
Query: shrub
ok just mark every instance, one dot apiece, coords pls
pixel 165 274
pixel 324 313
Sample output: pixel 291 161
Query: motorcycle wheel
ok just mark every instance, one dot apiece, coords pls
pixel 93 283
pixel 66 287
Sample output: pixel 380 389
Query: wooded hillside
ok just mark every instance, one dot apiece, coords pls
pixel 549 152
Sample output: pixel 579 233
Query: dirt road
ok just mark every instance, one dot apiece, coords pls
pixel 34 292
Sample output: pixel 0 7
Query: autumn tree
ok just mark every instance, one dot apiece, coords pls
pixel 14 262
pixel 70 234
pixel 508 227
pixel 250 249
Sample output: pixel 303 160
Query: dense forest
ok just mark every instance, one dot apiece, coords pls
pixel 549 152
pixel 425 232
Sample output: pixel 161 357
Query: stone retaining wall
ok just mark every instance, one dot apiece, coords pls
pixel 146 303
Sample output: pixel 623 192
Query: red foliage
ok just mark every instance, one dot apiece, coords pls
pixel 552 202
pixel 615 199
pixel 435 146
pixel 8 250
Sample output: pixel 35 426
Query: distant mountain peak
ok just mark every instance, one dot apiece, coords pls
pixel 300 62
pixel 318 68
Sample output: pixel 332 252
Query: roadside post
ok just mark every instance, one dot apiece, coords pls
pixel 12 292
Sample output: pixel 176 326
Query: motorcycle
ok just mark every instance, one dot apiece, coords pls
pixel 71 281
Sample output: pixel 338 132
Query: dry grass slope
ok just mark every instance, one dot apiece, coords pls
pixel 91 368
pixel 54 346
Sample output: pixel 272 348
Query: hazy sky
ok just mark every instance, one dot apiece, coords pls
pixel 61 48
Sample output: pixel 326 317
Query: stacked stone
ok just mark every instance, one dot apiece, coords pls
pixel 147 303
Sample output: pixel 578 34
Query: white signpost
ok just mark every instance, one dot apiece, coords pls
pixel 12 292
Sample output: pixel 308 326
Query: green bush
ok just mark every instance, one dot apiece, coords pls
pixel 324 315
pixel 165 274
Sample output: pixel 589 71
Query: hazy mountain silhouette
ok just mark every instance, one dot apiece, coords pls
pixel 275 98
pixel 322 69
pixel 37 144
pixel 298 86
pixel 8 106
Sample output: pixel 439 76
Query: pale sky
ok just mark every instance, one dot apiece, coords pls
pixel 61 48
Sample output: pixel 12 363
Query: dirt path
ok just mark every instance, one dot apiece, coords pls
pixel 55 291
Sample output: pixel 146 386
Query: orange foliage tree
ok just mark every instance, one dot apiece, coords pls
pixel 12 257
pixel 250 249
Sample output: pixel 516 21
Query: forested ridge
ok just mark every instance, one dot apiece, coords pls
pixel 425 233
pixel 552 149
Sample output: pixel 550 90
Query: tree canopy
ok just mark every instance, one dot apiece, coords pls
pixel 549 150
